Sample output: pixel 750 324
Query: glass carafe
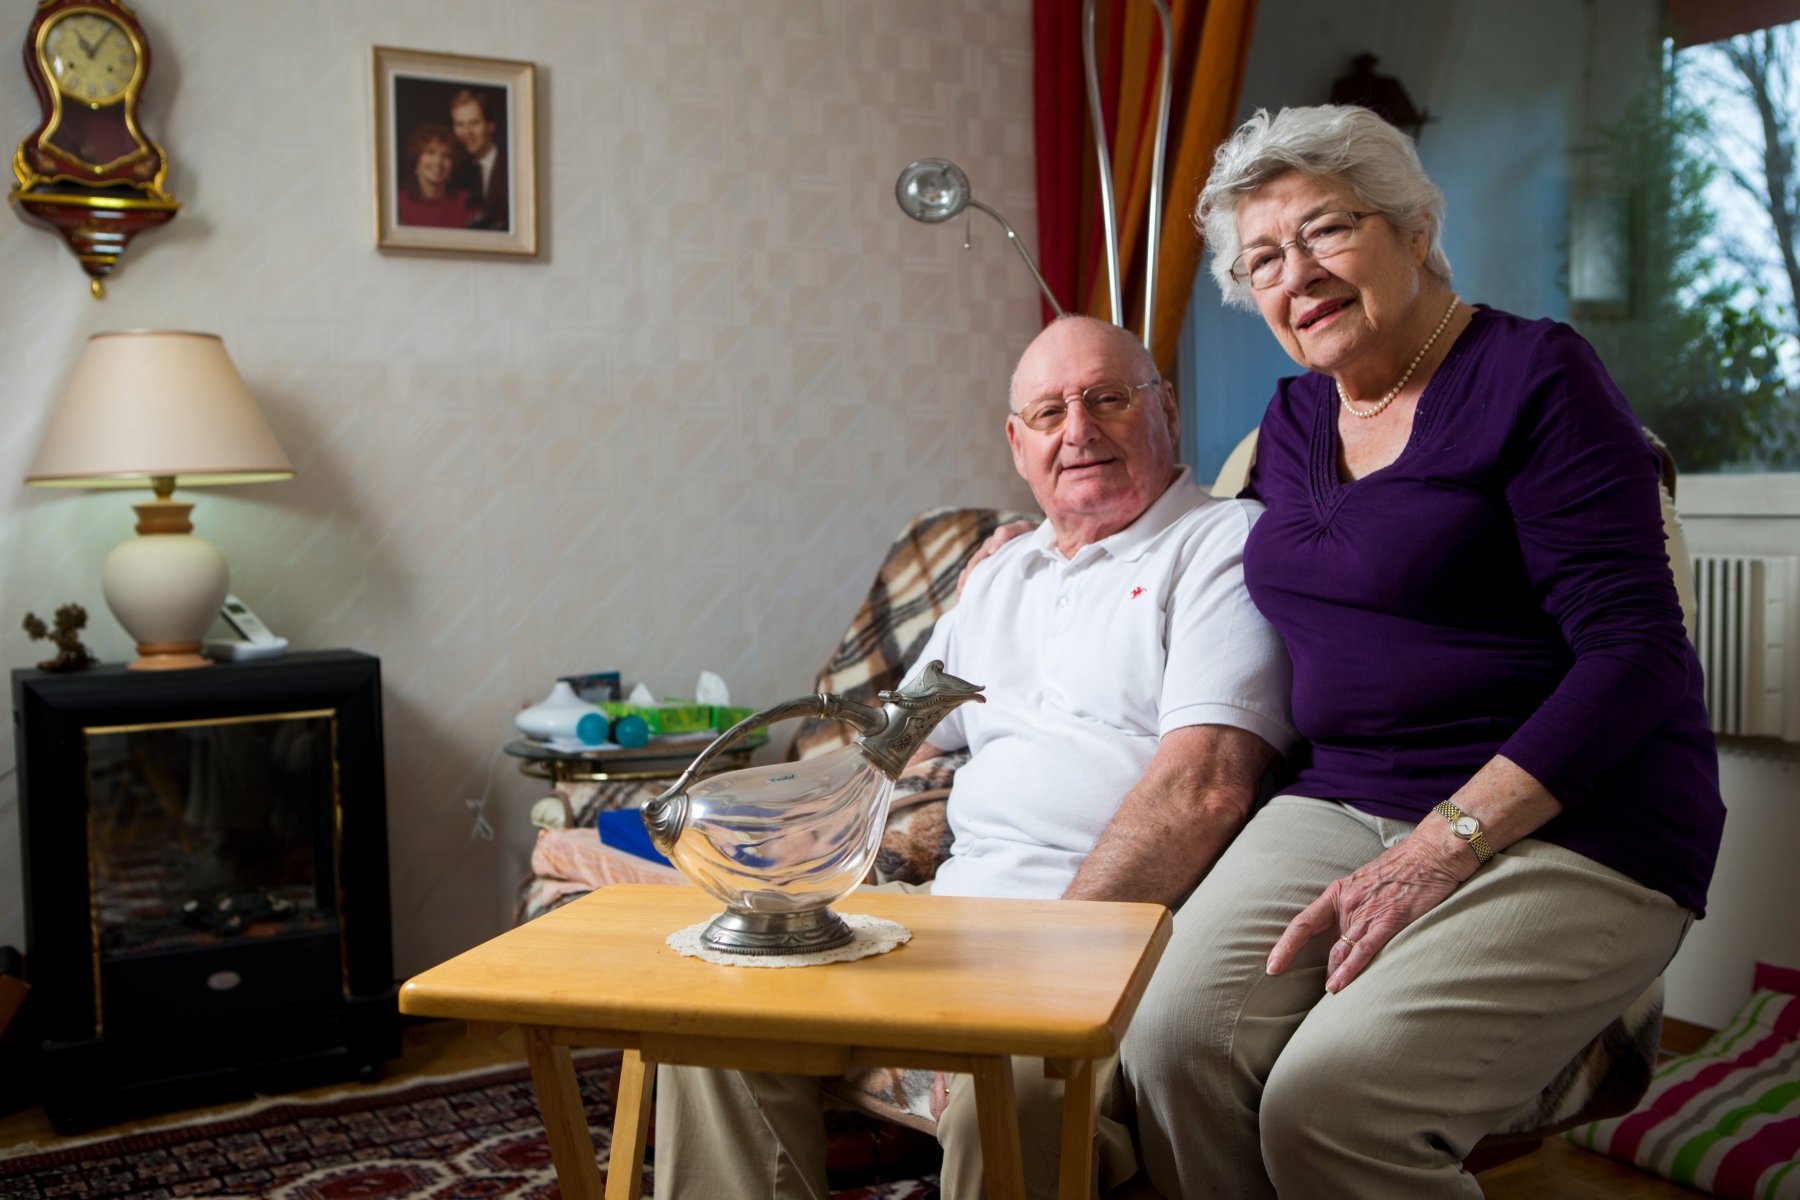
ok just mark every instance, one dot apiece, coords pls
pixel 778 844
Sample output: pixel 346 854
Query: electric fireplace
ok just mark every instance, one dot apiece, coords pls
pixel 205 881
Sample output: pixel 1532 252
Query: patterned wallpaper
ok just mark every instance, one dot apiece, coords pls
pixel 681 439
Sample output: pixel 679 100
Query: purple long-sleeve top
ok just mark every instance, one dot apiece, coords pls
pixel 1501 588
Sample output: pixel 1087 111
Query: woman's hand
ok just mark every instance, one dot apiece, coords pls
pixel 1369 906
pixel 995 540
pixel 1388 893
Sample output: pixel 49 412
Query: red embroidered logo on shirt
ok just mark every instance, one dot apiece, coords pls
pixel 1136 592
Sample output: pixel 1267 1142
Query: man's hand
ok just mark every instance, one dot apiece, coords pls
pixel 995 540
pixel 1191 802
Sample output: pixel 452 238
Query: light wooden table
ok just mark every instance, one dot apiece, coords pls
pixel 980 981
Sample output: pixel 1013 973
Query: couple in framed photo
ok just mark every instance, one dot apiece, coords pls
pixel 455 168
pixel 453 173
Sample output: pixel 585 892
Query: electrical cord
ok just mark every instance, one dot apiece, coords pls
pixel 479 828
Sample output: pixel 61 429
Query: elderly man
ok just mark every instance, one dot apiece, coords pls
pixel 1135 698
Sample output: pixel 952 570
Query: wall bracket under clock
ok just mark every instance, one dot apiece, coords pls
pixel 88 171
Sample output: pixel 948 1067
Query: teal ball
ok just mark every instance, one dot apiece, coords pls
pixel 631 732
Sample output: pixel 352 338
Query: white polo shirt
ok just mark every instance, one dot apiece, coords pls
pixel 1088 661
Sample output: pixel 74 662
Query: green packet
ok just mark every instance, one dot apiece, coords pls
pixel 684 716
pixel 664 718
pixel 727 715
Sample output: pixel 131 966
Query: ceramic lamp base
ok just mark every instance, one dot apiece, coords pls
pixel 165 587
pixel 168 656
pixel 735 931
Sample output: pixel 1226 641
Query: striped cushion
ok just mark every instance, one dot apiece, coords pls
pixel 1725 1120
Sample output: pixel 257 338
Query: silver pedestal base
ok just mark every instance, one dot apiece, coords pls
pixel 735 931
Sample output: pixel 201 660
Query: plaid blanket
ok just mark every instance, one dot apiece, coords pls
pixel 915 587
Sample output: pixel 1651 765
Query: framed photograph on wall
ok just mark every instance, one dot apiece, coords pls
pixel 455 153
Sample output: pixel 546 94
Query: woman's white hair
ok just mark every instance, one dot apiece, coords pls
pixel 1339 141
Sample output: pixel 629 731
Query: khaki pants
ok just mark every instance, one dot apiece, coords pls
pixel 742 1135
pixel 1247 1085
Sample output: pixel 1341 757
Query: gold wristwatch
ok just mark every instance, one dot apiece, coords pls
pixel 1467 828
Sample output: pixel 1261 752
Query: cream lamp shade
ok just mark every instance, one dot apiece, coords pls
pixel 159 410
pixel 143 406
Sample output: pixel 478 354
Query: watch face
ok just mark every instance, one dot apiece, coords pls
pixel 1466 827
pixel 90 57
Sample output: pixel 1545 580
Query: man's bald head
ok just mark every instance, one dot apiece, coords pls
pixel 1093 474
pixel 1071 330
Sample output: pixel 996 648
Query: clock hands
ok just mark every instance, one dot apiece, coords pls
pixel 84 44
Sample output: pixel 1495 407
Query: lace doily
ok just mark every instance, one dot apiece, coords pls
pixel 874 935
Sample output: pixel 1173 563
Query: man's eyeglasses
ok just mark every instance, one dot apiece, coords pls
pixel 1327 234
pixel 1103 401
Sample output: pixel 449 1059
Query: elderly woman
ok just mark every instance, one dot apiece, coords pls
pixel 1512 810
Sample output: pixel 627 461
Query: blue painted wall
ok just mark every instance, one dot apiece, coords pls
pixel 1514 89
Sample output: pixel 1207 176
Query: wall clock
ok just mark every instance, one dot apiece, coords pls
pixel 88 171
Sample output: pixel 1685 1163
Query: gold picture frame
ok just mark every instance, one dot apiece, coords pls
pixel 455 153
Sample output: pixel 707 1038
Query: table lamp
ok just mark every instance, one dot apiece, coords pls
pixel 159 410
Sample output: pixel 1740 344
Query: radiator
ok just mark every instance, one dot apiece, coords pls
pixel 1747 634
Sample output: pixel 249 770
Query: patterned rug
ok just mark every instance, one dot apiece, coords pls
pixel 448 1139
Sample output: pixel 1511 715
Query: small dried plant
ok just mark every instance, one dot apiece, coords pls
pixel 71 655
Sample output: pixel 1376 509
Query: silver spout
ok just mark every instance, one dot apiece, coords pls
pixel 912 713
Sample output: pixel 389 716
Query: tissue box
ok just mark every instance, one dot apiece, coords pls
pixel 671 716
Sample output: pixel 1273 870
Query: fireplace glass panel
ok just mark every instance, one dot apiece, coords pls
pixel 205 833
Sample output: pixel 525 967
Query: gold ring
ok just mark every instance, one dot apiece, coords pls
pixel 1351 942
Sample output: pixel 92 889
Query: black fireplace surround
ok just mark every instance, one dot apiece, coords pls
pixel 206 881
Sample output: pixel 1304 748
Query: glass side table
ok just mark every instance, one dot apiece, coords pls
pixel 663 758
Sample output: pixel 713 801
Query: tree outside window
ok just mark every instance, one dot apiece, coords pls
pixel 1698 321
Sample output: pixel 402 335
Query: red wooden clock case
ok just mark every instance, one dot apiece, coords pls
pixel 98 207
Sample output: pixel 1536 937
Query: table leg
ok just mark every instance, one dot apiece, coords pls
pixel 565 1122
pixel 997 1110
pixel 1077 1131
pixel 631 1124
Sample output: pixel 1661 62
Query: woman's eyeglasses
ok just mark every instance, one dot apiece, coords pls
pixel 1327 234
pixel 1103 401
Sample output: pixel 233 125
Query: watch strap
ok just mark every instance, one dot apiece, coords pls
pixel 1477 841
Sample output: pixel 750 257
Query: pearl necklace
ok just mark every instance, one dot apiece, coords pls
pixel 1366 413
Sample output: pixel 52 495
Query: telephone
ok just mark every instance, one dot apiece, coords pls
pixel 258 641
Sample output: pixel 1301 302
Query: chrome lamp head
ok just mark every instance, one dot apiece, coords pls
pixel 778 844
pixel 933 190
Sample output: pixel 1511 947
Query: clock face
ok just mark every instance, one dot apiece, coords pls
pixel 90 57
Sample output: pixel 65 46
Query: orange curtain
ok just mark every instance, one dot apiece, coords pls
pixel 1212 43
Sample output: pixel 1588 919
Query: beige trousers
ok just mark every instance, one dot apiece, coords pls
pixel 742 1135
pixel 1248 1085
